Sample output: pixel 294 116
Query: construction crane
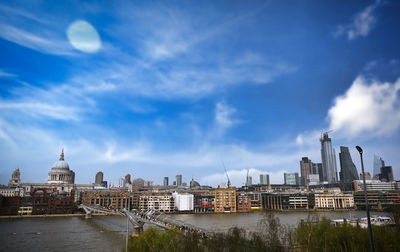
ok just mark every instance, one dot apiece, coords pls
pixel 229 182
pixel 326 133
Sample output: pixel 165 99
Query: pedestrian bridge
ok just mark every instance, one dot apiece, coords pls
pixel 151 217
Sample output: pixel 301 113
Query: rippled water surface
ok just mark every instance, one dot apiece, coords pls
pixel 107 233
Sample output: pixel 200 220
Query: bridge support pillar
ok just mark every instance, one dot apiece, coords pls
pixel 88 215
pixel 137 230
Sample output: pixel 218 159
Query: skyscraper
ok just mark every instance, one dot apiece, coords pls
pixel 328 156
pixel 165 181
pixel 264 179
pixel 378 164
pixel 386 173
pixel 317 169
pixel 305 170
pixel 178 180
pixel 291 178
pixel 348 171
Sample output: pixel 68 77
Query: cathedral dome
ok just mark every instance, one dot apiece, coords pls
pixel 61 164
pixel 60 173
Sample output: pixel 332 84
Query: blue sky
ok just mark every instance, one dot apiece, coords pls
pixel 156 88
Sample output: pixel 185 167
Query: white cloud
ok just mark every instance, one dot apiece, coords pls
pixel 367 107
pixel 361 25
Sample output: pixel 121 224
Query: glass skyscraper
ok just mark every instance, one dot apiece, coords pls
pixel 378 164
pixel 348 171
pixel 264 179
pixel 328 156
pixel 291 178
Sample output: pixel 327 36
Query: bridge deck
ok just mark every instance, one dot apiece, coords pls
pixel 153 217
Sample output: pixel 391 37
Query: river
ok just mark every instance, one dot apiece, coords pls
pixel 107 233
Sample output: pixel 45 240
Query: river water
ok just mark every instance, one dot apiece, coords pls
pixel 107 233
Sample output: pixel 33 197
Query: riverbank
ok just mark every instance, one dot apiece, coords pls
pixel 54 215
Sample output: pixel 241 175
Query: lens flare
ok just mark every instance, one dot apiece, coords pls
pixel 83 36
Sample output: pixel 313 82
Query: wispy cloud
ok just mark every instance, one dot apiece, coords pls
pixel 36 109
pixel 361 25
pixel 6 74
pixel 223 115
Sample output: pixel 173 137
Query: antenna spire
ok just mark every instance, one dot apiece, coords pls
pixel 62 155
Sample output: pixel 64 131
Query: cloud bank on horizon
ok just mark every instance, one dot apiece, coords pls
pixel 157 89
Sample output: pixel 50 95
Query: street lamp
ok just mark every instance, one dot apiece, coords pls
pixel 371 238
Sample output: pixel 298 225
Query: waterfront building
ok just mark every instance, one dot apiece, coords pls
pixel 348 171
pixel 11 205
pixel 47 201
pixel 329 168
pixel 40 201
pixel 60 173
pixel 225 200
pixel 112 198
pixel 376 185
pixel 183 202
pixel 165 182
pixel 264 179
pixel 305 170
pixel 291 178
pixel 204 202
pixel 386 173
pixel 179 180
pixel 379 200
pixel 378 164
pixel 243 201
pixel 332 200
pixel 284 201
pixel 162 202
pixel 255 200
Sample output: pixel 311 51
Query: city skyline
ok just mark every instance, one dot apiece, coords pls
pixel 157 89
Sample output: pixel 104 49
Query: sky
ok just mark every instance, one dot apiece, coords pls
pixel 159 88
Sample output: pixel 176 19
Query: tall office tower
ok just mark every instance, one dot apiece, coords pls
pixel 165 181
pixel 305 170
pixel 249 181
pixel 121 182
pixel 127 179
pixel 291 178
pixel 264 179
pixel 99 178
pixel 317 169
pixel 178 180
pixel 348 171
pixel 386 173
pixel 378 164
pixel 328 156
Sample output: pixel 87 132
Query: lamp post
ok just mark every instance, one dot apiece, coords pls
pixel 371 238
